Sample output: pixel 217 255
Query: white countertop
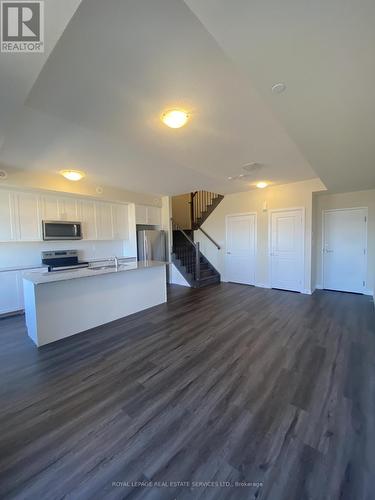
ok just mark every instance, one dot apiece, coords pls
pixel 27 267
pixel 87 272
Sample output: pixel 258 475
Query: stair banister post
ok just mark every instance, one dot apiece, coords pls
pixel 192 210
pixel 197 262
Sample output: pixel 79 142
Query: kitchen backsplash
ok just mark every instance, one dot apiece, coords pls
pixel 19 254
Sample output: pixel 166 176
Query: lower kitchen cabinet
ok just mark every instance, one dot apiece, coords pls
pixel 11 293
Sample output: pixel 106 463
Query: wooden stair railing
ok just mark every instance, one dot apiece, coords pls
pixel 188 259
pixel 202 204
pixel 192 259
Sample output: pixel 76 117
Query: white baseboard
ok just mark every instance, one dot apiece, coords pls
pixel 262 285
pixel 365 292
pixel 306 292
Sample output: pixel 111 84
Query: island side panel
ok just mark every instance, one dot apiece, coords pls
pixel 68 307
pixel 30 310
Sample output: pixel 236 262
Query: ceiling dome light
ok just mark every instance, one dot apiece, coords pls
pixel 72 175
pixel 175 118
pixel 261 185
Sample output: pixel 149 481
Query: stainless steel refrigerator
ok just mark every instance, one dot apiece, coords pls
pixel 151 245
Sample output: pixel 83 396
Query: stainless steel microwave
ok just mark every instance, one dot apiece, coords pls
pixel 61 230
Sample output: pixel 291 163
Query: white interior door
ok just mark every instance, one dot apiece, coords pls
pixel 241 250
pixel 344 249
pixel 286 250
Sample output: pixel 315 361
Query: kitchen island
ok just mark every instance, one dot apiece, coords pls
pixel 60 304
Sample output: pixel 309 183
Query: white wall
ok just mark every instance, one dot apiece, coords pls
pixel 293 195
pixel 346 200
pixel 181 210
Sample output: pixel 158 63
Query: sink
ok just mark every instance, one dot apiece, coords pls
pixel 100 268
pixel 97 268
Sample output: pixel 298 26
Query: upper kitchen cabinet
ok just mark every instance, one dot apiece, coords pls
pixel 27 218
pixel 68 209
pixel 22 213
pixel 58 208
pixel 19 216
pixel 7 230
pixel 120 222
pixel 103 216
pixel 140 214
pixel 49 207
pixel 86 214
pixel 148 215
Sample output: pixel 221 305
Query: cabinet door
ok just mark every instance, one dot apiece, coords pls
pixel 154 216
pixel 86 214
pixel 49 208
pixel 140 214
pixel 104 227
pixel 6 216
pixel 120 219
pixel 67 209
pixel 10 293
pixel 28 220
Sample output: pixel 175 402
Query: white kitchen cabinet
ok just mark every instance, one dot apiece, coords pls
pixel 11 295
pixel 27 218
pixel 120 222
pixel 148 215
pixel 7 230
pixel 22 213
pixel 49 207
pixel 103 217
pixel 58 208
pixel 154 216
pixel 86 214
pixel 141 214
pixel 68 209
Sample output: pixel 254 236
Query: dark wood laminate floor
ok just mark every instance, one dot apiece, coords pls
pixel 230 383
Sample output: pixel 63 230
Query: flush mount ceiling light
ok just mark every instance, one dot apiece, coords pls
pixel 261 185
pixel 175 118
pixel 72 175
pixel 278 88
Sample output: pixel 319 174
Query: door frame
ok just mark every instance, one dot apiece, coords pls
pixel 303 260
pixel 365 255
pixel 255 242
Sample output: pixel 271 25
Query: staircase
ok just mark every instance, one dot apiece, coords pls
pixel 191 263
pixel 202 204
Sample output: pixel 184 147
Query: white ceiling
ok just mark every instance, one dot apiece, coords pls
pixel 325 52
pixel 95 104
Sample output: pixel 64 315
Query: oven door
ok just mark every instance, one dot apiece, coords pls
pixel 61 230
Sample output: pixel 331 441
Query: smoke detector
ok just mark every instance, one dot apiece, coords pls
pixel 3 175
pixel 278 88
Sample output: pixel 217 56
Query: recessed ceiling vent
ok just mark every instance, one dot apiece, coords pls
pixel 252 167
pixel 249 170
pixel 3 175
